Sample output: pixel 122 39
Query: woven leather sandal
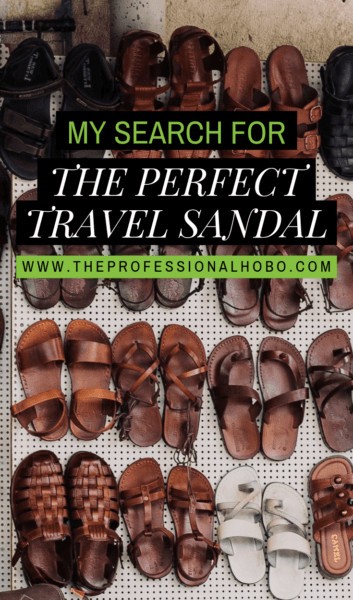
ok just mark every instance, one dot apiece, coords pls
pixel 41 591
pixel 40 355
pixel 89 358
pixel 135 294
pixel 94 513
pixel 142 498
pixel 39 512
pixel 331 492
pixel 27 81
pixel 173 293
pixel 191 503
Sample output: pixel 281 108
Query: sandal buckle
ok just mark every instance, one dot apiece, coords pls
pixel 315 113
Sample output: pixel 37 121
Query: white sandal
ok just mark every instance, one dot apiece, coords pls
pixel 240 534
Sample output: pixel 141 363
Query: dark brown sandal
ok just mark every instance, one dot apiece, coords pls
pixel 39 511
pixel 191 503
pixel 40 293
pixel 79 293
pixel 40 356
pixel 135 294
pixel 330 374
pixel 238 298
pixel 281 374
pixel 173 293
pixel 94 512
pixel 135 362
pixel 183 367
pixel 89 358
pixel 331 492
pixel 142 498
pixel 281 298
pixel 230 379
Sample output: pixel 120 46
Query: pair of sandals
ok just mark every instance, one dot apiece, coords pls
pixel 241 510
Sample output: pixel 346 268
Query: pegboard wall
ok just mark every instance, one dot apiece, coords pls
pixel 202 314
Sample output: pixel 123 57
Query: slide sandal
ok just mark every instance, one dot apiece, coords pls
pixel 172 293
pixel 240 534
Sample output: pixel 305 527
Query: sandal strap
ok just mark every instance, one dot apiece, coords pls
pixel 144 494
pixel 108 401
pixel 135 552
pixel 292 397
pixel 238 528
pixel 214 61
pixel 213 551
pixel 172 378
pixel 25 125
pixel 288 541
pixel 96 532
pixel 300 292
pixel 50 350
pixel 236 394
pixel 78 96
pixel 88 351
pixel 231 509
pixel 25 411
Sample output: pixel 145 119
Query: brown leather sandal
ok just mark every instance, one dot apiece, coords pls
pixel 338 292
pixel 191 503
pixel 281 298
pixel 183 368
pixel 290 91
pixel 238 298
pixel 230 379
pixel 39 512
pixel 40 355
pixel 331 492
pixel 94 512
pixel 89 358
pixel 242 91
pixel 142 497
pixel 330 368
pixel 192 81
pixel 173 293
pixel 79 293
pixel 135 294
pixel 135 363
pixel 281 374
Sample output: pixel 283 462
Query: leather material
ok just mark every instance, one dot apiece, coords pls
pixel 173 293
pixel 135 294
pixel 41 591
pixel 79 293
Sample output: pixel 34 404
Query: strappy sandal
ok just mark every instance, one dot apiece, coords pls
pixel 40 293
pixel 27 81
pixel 238 298
pixel 338 292
pixel 39 511
pixel 135 294
pixel 281 298
pixel 94 512
pixel 240 534
pixel 331 492
pixel 191 504
pixel 230 378
pixel 142 498
pixel 135 363
pixel 40 355
pixel 172 293
pixel 183 368
pixel 142 58
pixel 79 293
pixel 330 374
pixel 192 82
pixel 89 358
pixel 281 374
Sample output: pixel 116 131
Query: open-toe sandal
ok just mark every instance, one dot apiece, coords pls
pixel 281 374
pixel 142 498
pixel 135 294
pixel 40 356
pixel 135 362
pixel 173 293
pixel 79 293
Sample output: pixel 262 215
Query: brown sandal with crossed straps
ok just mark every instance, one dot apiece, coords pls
pixel 94 513
pixel 183 367
pixel 135 363
pixel 191 503
pixel 331 492
pixel 89 359
pixel 281 374
pixel 40 355
pixel 142 498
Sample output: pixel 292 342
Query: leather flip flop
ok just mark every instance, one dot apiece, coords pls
pixel 135 294
pixel 39 511
pixel 89 358
pixel 240 534
pixel 79 293
pixel 281 374
pixel 338 292
pixel 290 91
pixel 281 298
pixel 330 366
pixel 142 498
pixel 191 503
pixel 242 91
pixel 238 298
pixel 230 379
pixel 183 368
pixel 194 54
pixel 135 363
pixel 94 512
pixel 172 293
pixel 40 293
pixel 40 355
pixel 331 493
